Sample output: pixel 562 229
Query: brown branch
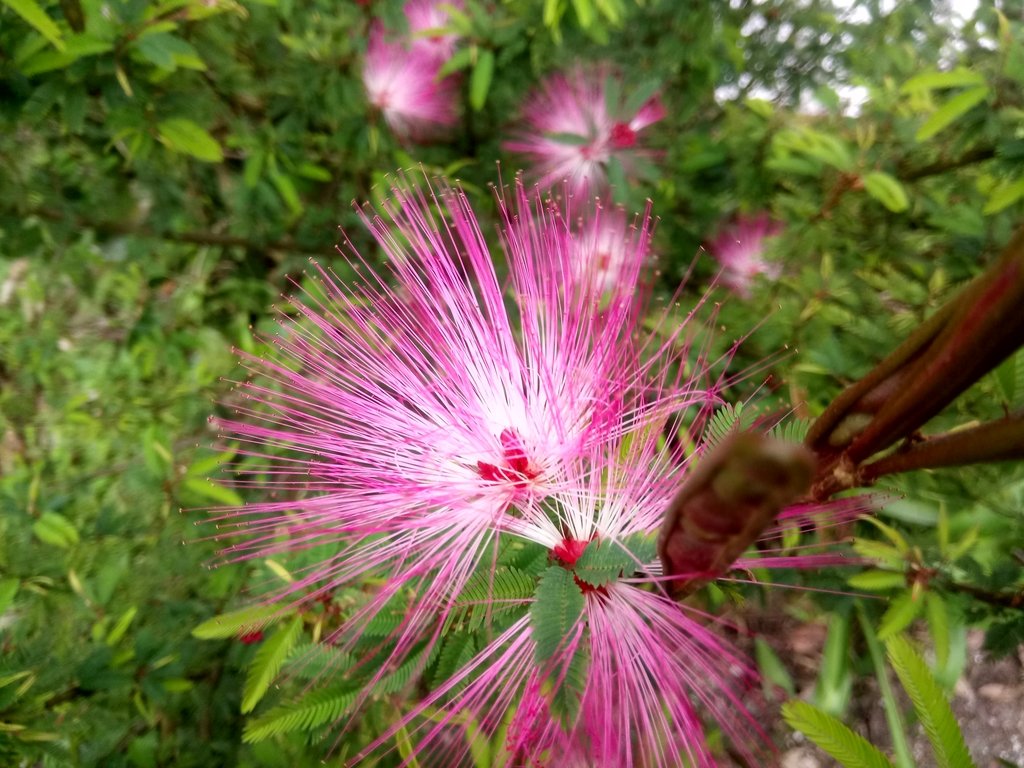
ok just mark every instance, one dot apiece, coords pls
pixel 976 155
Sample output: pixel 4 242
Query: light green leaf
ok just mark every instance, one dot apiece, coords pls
pixel 928 81
pixel 938 623
pixel 771 667
pixel 902 611
pixel 267 662
pixel 210 490
pixel 480 80
pixel 286 189
pixel 1003 196
pixel 56 530
pixel 179 134
pixel 930 703
pixel 893 715
pixel 121 627
pixel 239 622
pixel 461 59
pixel 584 12
pixel 952 110
pixel 886 190
pixel 8 589
pixel 877 581
pixel 30 11
pixel 829 733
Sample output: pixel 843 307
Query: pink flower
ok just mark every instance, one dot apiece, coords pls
pixel 402 81
pixel 601 252
pixel 739 249
pixel 428 23
pixel 412 418
pixel 571 133
pixel 635 675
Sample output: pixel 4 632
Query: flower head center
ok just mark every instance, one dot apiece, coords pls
pixel 623 137
pixel 569 551
pixel 515 466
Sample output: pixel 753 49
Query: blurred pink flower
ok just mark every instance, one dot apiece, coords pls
pixel 412 417
pixel 601 252
pixel 427 19
pixel 739 249
pixel 570 132
pixel 637 675
pixel 401 80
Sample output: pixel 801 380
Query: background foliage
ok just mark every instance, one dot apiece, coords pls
pixel 165 166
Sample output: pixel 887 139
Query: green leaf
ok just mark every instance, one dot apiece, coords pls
pixel 211 491
pixel 8 589
pixel 771 667
pixel 949 112
pixel 30 11
pixel 480 80
pixel 877 581
pixel 240 622
pixel 179 134
pixel 121 627
pixel 56 530
pixel 930 703
pixel 459 60
pixel 1003 196
pixel 286 189
pixel 311 711
pixel 602 562
pixel 886 190
pixel 929 81
pixel 835 682
pixel 570 681
pixel 893 716
pixel 902 611
pixel 938 623
pixel 829 733
pixel 726 421
pixel 556 611
pixel 267 662
pixel 584 13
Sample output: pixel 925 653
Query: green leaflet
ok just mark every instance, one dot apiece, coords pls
pixel 556 611
pixel 603 561
pixel 267 662
pixel 930 704
pixel 304 714
pixel 829 733
pixel 951 111
pixel 239 622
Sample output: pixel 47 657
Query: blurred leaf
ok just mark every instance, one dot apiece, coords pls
pixel 8 589
pixel 240 622
pixel 480 81
pixel 950 112
pixel 886 190
pixel 1003 196
pixel 180 134
pixel 30 11
pixel 928 81
pixel 902 611
pixel 771 667
pixel 55 529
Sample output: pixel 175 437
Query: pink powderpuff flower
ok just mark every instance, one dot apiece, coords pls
pixel 570 132
pixel 401 80
pixel 636 675
pixel 739 249
pixel 601 252
pixel 429 21
pixel 399 425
